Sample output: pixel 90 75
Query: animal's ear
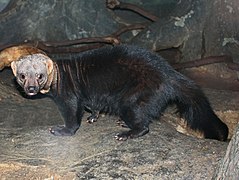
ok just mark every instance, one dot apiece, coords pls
pixel 49 66
pixel 14 67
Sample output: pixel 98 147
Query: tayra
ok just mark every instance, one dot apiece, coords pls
pixel 127 81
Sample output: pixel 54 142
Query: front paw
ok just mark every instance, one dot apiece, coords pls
pixel 93 117
pixel 62 131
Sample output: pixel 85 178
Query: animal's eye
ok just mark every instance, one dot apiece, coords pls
pixel 40 76
pixel 22 76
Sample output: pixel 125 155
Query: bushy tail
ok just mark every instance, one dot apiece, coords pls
pixel 195 108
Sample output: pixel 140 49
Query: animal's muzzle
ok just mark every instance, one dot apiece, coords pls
pixel 32 90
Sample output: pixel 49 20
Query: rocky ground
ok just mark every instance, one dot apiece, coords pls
pixel 29 151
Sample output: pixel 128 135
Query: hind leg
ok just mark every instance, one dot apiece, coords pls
pixel 136 120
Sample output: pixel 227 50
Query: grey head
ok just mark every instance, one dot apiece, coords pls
pixel 32 72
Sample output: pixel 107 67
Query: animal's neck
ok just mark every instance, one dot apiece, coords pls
pixel 51 81
pixel 55 73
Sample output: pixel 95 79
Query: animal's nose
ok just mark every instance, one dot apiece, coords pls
pixel 32 89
